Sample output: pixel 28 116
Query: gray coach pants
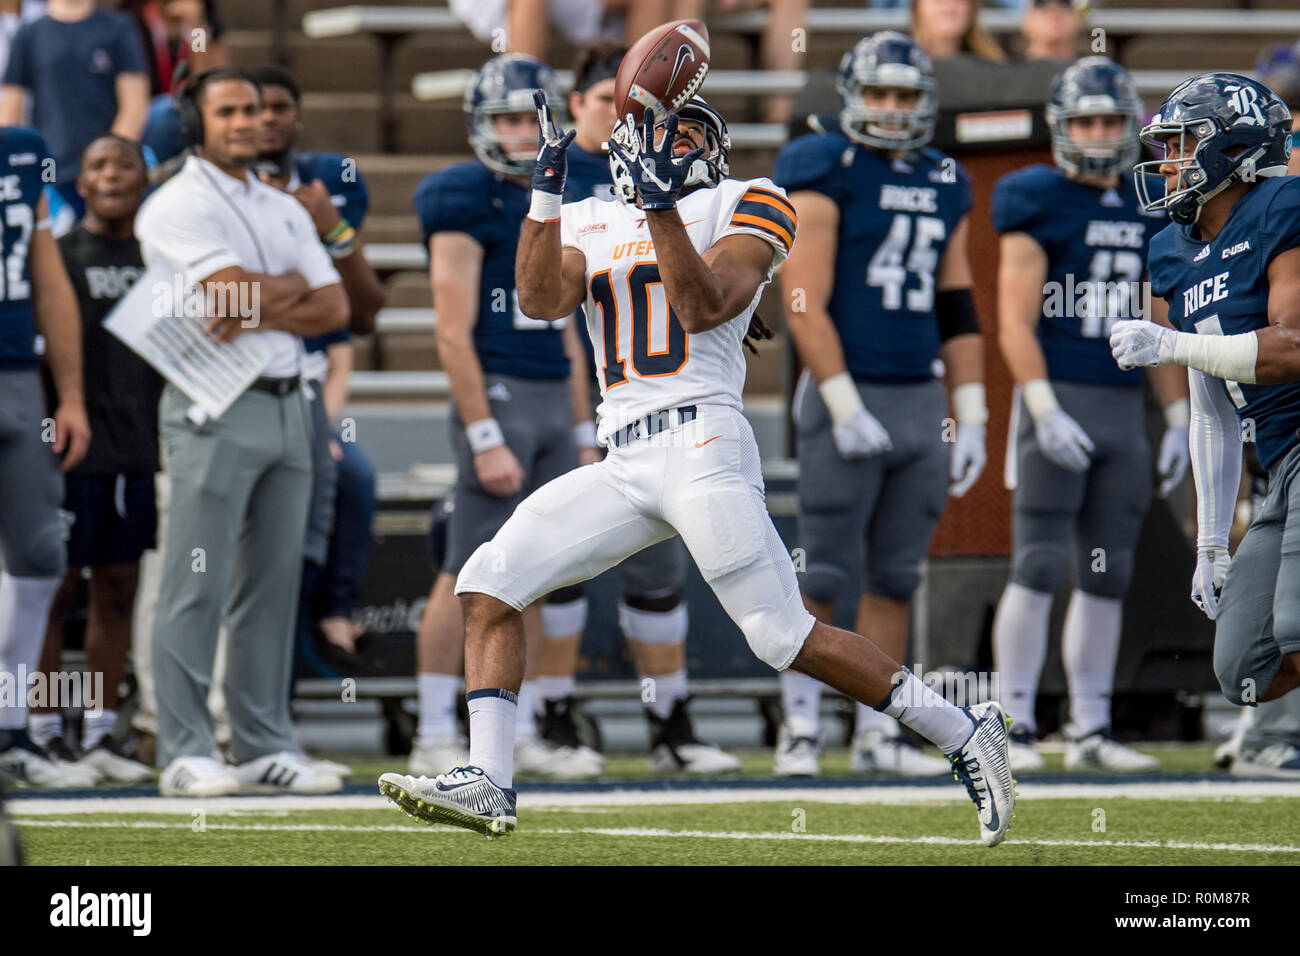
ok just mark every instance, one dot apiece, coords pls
pixel 240 486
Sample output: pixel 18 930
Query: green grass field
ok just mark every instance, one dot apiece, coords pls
pixel 1227 824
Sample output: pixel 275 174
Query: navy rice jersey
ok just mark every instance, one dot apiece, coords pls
pixel 896 219
pixel 23 157
pixel 1096 242
pixel 1221 288
pixel 472 199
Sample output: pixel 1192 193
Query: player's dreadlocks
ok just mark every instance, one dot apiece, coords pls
pixel 757 331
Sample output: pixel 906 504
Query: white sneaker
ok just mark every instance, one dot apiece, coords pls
pixel 1100 751
pixel 340 770
pixel 1280 761
pixel 67 760
pixel 1023 749
pixel 285 772
pixel 31 766
pixel 797 750
pixel 197 777
pixel 873 752
pixel 983 766
pixel 111 764
pixel 461 797
pixel 534 755
pixel 432 760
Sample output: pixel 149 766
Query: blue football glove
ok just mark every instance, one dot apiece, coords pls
pixel 659 177
pixel 552 160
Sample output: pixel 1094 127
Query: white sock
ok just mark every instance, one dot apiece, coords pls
pixel 1089 648
pixel 526 719
pixel 926 711
pixel 554 688
pixel 669 689
pixel 43 728
pixel 868 718
pixel 801 696
pixel 24 611
pixel 1019 649
pixel 437 708
pixel 96 728
pixel 492 715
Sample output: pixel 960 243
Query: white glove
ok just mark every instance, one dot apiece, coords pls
pixel 968 459
pixel 1063 441
pixel 860 436
pixel 1207 581
pixel 1136 342
pixel 1174 457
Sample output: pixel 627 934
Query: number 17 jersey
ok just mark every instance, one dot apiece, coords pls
pixel 645 360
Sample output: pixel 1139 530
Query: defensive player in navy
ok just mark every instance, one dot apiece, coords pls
pixel 876 292
pixel 513 407
pixel 668 306
pixel 36 296
pixel 652 613
pixel 1229 267
pixel 1072 257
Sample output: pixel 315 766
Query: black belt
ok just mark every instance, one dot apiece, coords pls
pixel 652 424
pixel 277 386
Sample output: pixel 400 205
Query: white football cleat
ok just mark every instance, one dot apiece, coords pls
pixel 198 777
pixel 26 763
pixel 1023 748
pixel 536 756
pixel 983 766
pixel 1280 761
pixel 107 759
pixel 798 747
pixel 285 772
pixel 442 753
pixel 1100 751
pixel 674 746
pixel 462 797
pixel 873 752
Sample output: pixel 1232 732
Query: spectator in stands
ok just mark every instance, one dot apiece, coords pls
pixel 947 28
pixel 86 75
pixel 524 26
pixel 110 494
pixel 1051 30
pixel 1278 68
pixel 13 14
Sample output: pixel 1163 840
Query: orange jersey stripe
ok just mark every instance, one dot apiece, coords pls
pixel 772 199
pixel 770 225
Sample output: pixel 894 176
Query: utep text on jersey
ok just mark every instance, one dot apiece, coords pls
pixel 896 218
pixel 1221 288
pixel 23 159
pixel 1096 242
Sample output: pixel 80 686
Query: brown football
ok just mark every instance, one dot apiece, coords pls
pixel 663 69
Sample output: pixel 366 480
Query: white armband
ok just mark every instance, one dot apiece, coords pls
pixel 545 207
pixel 1039 397
pixel 840 394
pixel 484 434
pixel 1230 357
pixel 969 404
pixel 584 435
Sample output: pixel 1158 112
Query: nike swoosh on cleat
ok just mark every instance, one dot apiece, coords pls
pixel 701 444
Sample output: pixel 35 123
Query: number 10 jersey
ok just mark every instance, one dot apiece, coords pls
pixel 645 360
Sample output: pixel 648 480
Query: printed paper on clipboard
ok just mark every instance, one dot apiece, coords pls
pixel 152 320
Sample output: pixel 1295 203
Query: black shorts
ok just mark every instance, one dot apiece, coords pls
pixel 114 518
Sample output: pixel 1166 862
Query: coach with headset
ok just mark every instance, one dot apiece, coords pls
pixel 241 483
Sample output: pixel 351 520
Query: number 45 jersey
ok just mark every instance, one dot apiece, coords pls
pixel 896 219
pixel 1096 242
pixel 645 360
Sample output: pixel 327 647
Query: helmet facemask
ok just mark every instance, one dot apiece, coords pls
pixel 890 129
pixel 1098 158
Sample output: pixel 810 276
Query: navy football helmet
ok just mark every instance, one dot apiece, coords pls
pixel 505 84
pixel 1240 130
pixel 892 60
pixel 1094 86
pixel 707 171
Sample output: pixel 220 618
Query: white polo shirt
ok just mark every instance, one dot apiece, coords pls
pixel 203 220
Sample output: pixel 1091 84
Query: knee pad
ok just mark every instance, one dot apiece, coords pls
pixel 564 612
pixel 653 604
pixel 823 583
pixel 646 626
pixel 1239 677
pixel 1039 566
pixel 45 556
pixel 776 632
pixel 1110 580
pixel 898 583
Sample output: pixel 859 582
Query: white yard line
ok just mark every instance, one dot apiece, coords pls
pixel 656 833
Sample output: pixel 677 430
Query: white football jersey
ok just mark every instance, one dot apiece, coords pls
pixel 645 360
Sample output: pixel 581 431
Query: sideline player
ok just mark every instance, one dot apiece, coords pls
pixel 877 290
pixel 668 310
pixel 513 410
pixel 652 613
pixel 38 297
pixel 1229 267
pixel 1072 257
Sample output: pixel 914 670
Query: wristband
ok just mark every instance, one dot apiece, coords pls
pixel 968 402
pixel 1039 398
pixel 545 207
pixel 1230 357
pixel 840 394
pixel 484 435
pixel 338 230
pixel 584 435
pixel 1177 413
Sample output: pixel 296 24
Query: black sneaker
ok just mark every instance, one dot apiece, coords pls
pixel 674 746
pixel 557 725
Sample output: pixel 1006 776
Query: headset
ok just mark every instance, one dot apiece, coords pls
pixel 185 99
